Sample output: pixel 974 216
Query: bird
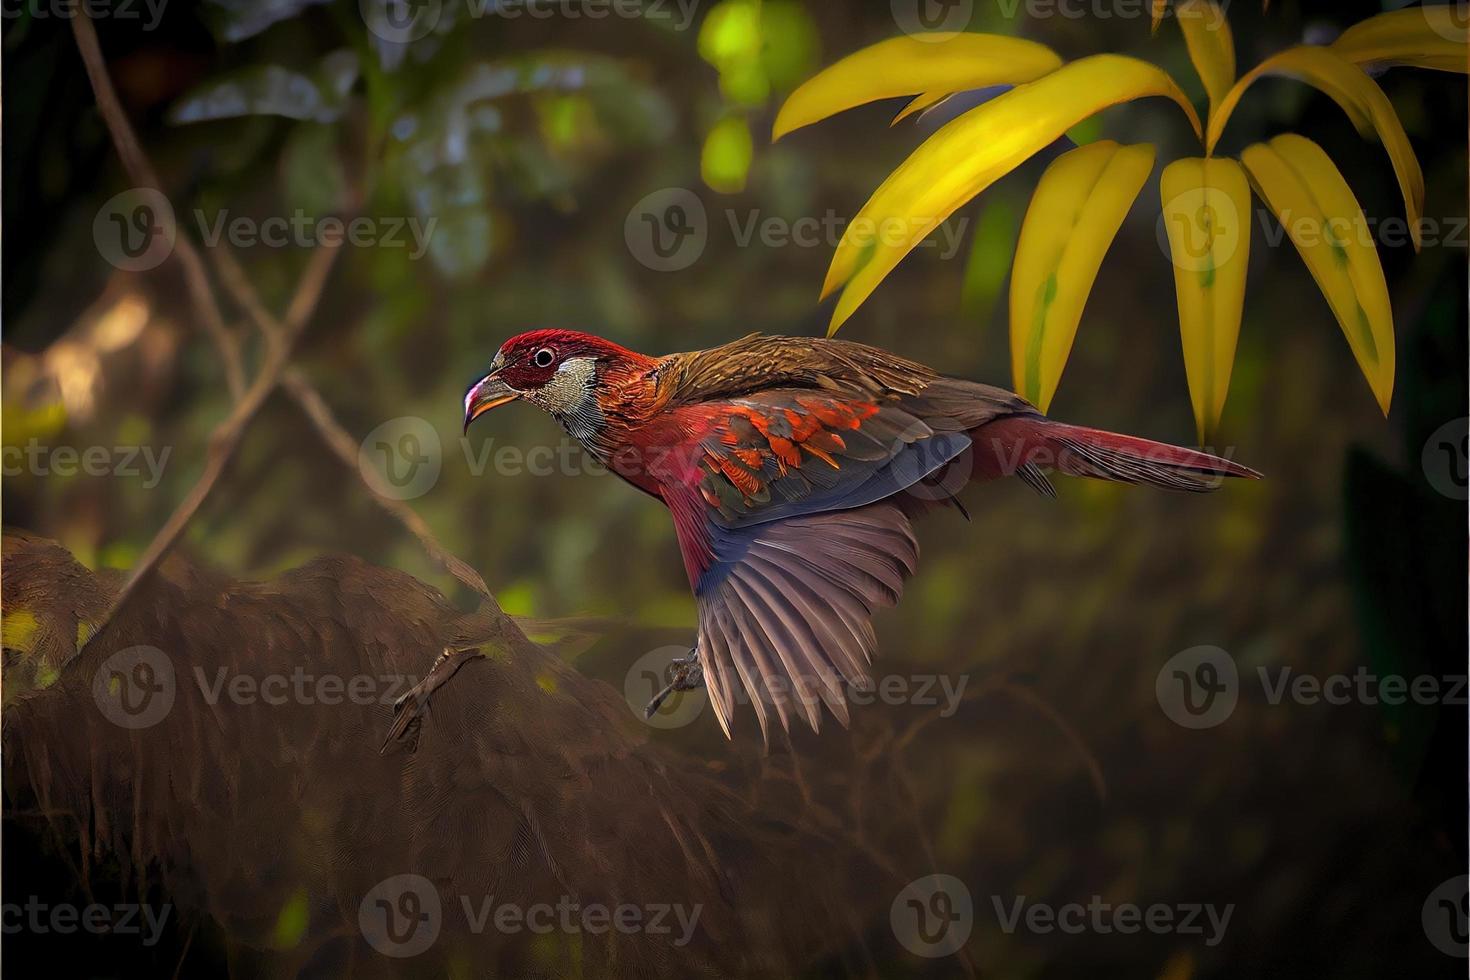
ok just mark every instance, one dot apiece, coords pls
pixel 793 468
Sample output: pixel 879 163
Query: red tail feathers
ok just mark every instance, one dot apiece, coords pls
pixel 1025 445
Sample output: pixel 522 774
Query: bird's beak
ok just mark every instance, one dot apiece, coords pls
pixel 484 395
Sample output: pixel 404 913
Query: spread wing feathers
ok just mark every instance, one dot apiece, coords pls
pixel 787 624
pixel 757 363
pixel 774 454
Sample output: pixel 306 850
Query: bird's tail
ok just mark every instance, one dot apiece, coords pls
pixel 1028 445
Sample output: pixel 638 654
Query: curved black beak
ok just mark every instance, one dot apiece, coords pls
pixel 485 394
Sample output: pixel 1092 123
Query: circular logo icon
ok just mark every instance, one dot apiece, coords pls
pixel 400 21
pixel 401 458
pixel 1450 21
pixel 1446 917
pixel 932 20
pixel 667 230
pixel 135 230
pixel 1200 229
pixel 134 688
pixel 933 915
pixel 1198 687
pixel 400 916
pixel 1446 459
pixel 647 678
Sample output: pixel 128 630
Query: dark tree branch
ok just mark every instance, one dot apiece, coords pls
pixel 141 172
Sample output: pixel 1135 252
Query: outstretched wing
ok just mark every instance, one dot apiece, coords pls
pixel 784 614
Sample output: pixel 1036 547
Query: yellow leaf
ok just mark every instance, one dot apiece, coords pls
pixel 970 153
pixel 1317 209
pixel 937 64
pixel 920 104
pixel 1207 219
pixel 1074 215
pixel 1211 46
pixel 1158 13
pixel 1431 36
pixel 1360 97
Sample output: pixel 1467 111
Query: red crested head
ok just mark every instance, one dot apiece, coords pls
pixel 558 370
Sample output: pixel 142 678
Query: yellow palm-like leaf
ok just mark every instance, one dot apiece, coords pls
pixel 1360 97
pixel 1313 202
pixel 936 65
pixel 920 104
pixel 969 153
pixel 1211 46
pixel 1432 36
pixel 1074 215
pixel 1158 13
pixel 1207 219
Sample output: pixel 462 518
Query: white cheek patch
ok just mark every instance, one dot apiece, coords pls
pixel 570 388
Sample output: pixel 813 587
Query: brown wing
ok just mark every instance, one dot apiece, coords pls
pixel 760 363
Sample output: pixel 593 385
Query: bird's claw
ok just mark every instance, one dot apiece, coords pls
pixel 687 674
pixel 410 707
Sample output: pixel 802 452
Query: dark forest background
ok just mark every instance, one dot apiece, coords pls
pixel 527 142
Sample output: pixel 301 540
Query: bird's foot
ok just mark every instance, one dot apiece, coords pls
pixel 688 675
pixel 410 707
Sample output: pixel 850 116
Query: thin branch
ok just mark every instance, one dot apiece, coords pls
pixel 141 172
pixel 345 447
pixel 226 436
pixel 333 433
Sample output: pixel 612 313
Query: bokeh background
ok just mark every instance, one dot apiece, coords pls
pixel 529 143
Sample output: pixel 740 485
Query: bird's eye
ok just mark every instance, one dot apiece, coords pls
pixel 543 357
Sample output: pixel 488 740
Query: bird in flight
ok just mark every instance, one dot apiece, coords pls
pixel 793 468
